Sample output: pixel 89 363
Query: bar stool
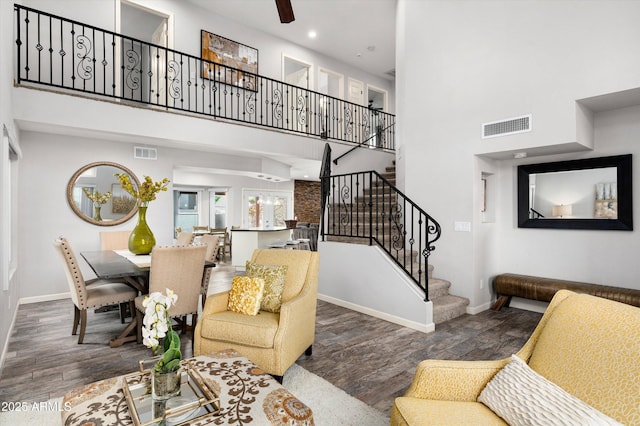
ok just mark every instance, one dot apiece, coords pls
pixel 304 244
pixel 278 246
pixel 293 245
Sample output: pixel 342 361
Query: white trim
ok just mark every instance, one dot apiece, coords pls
pixel 425 328
pixel 43 298
pixel 477 309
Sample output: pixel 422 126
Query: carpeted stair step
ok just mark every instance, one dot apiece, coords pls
pixel 438 288
pixel 446 308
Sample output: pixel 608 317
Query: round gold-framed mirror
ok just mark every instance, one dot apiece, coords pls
pixel 95 195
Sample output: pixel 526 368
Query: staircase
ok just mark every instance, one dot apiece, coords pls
pixel 383 200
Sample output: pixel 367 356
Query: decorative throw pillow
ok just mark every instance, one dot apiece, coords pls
pixel 245 295
pixel 523 397
pixel 274 277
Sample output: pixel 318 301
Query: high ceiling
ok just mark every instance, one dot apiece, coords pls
pixel 357 32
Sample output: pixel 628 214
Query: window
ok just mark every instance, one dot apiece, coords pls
pixel 266 209
pixel 218 208
pixel 185 209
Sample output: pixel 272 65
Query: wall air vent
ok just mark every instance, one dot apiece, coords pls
pixel 145 153
pixel 507 127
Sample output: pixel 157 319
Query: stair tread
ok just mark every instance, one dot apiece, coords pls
pixel 444 302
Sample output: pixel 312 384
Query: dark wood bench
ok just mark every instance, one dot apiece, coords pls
pixel 507 286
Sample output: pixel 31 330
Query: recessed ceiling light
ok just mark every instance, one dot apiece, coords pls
pixel 518 155
pixel 312 34
pixel 371 48
pixel 358 55
pixel 306 176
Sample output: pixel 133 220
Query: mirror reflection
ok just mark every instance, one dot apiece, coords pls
pixel 587 194
pixel 96 196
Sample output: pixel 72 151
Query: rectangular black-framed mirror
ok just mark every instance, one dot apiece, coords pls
pixel 591 193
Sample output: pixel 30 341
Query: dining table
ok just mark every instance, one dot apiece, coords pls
pixel 132 270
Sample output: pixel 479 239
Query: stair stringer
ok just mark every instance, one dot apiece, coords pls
pixel 363 278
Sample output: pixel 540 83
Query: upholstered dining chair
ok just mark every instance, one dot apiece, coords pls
pixel 185 238
pixel 91 293
pixel 114 240
pixel 277 336
pixel 201 228
pixel 179 268
pixel 211 241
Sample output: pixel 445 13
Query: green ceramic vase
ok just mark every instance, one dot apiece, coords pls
pixel 141 240
pixel 96 213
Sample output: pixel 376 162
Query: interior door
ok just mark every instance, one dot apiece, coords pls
pixel 159 65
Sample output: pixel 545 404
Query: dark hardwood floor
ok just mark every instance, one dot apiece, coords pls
pixel 368 358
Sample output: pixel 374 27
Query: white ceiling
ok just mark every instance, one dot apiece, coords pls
pixel 360 33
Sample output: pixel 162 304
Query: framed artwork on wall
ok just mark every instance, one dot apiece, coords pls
pixel 239 62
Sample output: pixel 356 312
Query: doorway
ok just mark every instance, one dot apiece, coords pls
pixel 377 102
pixel 299 74
pixel 143 76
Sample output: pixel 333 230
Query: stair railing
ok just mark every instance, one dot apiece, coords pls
pixel 366 205
pixel 74 57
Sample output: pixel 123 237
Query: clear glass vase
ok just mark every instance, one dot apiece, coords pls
pixel 141 240
pixel 165 385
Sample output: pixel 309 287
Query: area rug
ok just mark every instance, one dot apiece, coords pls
pixel 331 406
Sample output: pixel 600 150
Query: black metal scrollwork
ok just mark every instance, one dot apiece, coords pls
pixel 133 74
pixel 277 104
pixel 173 77
pixel 85 66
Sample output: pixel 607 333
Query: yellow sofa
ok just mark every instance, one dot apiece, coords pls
pixel 273 341
pixel 588 346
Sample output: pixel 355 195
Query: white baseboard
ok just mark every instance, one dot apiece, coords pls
pixel 473 310
pixel 425 328
pixel 43 298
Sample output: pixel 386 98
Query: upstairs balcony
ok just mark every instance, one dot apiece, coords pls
pixel 69 56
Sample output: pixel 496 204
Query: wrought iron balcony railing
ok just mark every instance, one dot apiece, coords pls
pixel 367 206
pixel 69 55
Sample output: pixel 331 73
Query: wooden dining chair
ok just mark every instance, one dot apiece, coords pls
pixel 201 228
pixel 222 243
pixel 185 238
pixel 211 241
pixel 114 240
pixel 91 293
pixel 179 268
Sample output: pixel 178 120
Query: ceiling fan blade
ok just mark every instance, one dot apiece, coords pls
pixel 285 11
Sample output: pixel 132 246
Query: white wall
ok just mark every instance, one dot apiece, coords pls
pixel 604 257
pixel 49 162
pixel 464 63
pixel 371 284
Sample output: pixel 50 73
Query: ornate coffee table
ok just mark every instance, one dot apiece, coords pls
pixel 247 396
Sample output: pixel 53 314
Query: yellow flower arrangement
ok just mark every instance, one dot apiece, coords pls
pixel 97 197
pixel 147 191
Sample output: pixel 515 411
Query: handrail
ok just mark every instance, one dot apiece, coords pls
pixel 366 205
pixel 360 145
pixel 69 55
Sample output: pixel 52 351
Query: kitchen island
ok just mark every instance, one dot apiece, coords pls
pixel 246 240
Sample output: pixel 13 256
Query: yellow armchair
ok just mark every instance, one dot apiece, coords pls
pixel 273 341
pixel 588 346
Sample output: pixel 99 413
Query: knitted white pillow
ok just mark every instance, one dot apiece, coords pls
pixel 523 397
